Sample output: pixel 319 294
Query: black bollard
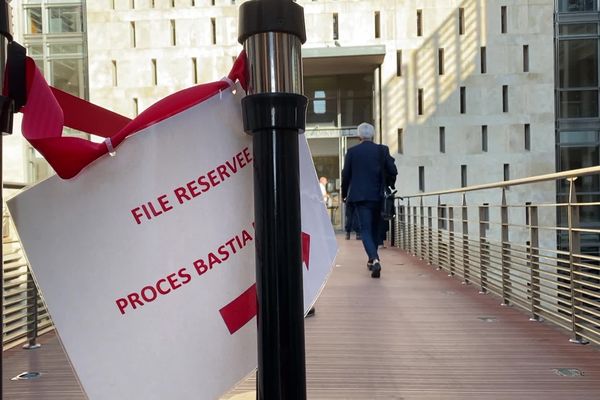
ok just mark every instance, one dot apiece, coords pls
pixel 274 112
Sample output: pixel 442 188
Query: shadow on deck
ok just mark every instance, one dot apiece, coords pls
pixel 413 334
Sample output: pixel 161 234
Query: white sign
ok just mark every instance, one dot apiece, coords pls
pixel 146 259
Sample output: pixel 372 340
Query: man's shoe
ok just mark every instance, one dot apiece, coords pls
pixel 376 269
pixel 347 235
pixel 370 265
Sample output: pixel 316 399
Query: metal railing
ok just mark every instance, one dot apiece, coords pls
pixel 534 248
pixel 24 314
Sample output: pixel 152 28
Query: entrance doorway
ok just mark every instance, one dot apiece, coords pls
pixel 337 105
pixel 328 156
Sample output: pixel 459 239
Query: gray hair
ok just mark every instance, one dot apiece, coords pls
pixel 365 131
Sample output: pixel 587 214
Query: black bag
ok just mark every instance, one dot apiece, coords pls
pixel 388 208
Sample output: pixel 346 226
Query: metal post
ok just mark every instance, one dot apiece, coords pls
pixel 465 241
pixel 421 229
pixel 505 246
pixel 534 261
pixel 408 230
pixel 451 261
pixel 274 112
pixel 484 257
pixel 574 251
pixel 32 314
pixel 441 251
pixel 429 246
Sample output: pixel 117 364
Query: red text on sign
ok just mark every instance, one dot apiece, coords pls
pixel 151 292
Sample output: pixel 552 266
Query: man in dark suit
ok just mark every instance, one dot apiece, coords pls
pixel 362 186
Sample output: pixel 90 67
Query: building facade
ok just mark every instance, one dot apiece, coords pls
pixel 461 91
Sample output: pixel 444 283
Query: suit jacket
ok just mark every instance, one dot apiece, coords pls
pixel 362 177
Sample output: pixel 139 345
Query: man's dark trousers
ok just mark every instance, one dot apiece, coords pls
pixel 370 221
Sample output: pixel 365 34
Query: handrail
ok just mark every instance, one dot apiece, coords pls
pixel 514 182
pixel 13 185
pixel 542 256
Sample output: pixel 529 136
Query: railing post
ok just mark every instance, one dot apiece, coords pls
pixel 438 235
pixel 429 246
pixel 416 238
pixel 402 232
pixel 421 229
pixel 451 241
pixel 465 241
pixel 574 251
pixel 534 265
pixel 483 248
pixel 32 313
pixel 409 236
pixel 505 246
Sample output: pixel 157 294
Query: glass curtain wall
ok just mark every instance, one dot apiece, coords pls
pixel 577 110
pixel 54 35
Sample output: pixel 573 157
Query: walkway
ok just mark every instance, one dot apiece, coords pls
pixel 413 334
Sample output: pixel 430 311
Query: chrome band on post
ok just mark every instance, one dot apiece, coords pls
pixel 274 63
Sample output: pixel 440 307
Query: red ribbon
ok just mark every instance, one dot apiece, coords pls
pixel 48 110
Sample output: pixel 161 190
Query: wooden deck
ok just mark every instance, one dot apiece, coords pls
pixel 413 334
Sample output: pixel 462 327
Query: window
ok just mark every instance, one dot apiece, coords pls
pixel 484 138
pixel 213 30
pixel 463 99
pixel 420 101
pixel 339 101
pixel 212 2
pixel 34 20
pixel 463 176
pixel 132 33
pixel 525 58
pixel 576 5
pixel 173 33
pixel 65 19
pixel 421 179
pixel 132 4
pixel 527 137
pixel 579 149
pixel 154 72
pixel 505 98
pixel 441 61
pixel 136 108
pixel 400 141
pixel 398 62
pixel 527 210
pixel 193 3
pixel 194 70
pixel 461 21
pixel 172 2
pixel 336 34
pixel 67 75
pixel 483 59
pixel 503 19
pixel 152 3
pixel 442 134
pixel 114 72
pixel 506 172
pixel 578 78
pixel 419 22
pixel 377 25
